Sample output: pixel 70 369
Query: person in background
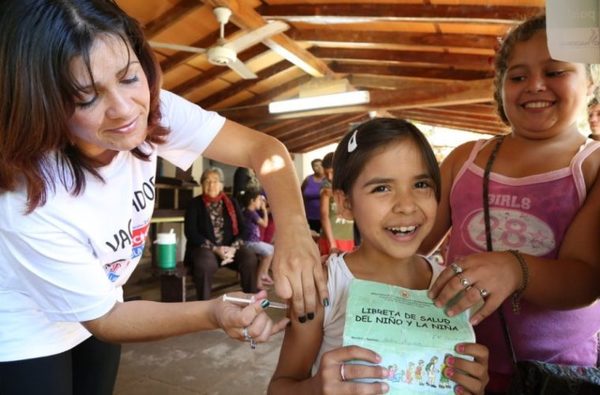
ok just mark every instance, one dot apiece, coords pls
pixel 337 232
pixel 594 118
pixel 82 123
pixel 214 228
pixel 255 216
pixel 244 179
pixel 311 193
pixel 540 175
pixel 385 178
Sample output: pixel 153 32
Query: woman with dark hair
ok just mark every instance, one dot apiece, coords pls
pixel 82 123
pixel 311 193
pixel 214 228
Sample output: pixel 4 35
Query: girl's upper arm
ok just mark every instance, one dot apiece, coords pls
pixel 301 345
pixel 325 194
pixel 582 240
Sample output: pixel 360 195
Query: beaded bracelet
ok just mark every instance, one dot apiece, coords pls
pixel 516 297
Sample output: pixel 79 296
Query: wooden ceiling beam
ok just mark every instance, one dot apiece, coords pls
pixel 468 126
pixel 433 93
pixel 272 127
pixel 410 71
pixel 391 11
pixel 449 112
pixel 424 114
pixel 467 41
pixel 176 12
pixel 461 61
pixel 226 93
pixel 481 109
pixel 342 122
pixel 276 92
pixel 340 127
pixel 315 124
pixel 429 93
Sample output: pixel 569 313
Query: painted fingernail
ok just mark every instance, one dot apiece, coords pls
pixel 460 348
pixel 310 316
pixel 450 360
pixel 459 390
pixel 449 372
pixel 326 302
pixel 265 303
pixel 302 319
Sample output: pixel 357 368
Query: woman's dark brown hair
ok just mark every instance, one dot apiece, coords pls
pixel 38 41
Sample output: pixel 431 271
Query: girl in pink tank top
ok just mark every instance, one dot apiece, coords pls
pixel 543 230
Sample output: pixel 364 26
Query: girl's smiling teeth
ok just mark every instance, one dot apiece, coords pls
pixel 538 104
pixel 402 230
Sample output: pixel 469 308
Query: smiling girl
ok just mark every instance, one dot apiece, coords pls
pixel 387 180
pixel 538 177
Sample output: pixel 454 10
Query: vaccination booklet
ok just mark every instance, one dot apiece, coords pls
pixel 411 334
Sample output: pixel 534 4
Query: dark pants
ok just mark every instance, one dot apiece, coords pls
pixel 205 263
pixel 87 369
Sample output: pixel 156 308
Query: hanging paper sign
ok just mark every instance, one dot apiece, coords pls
pixel 573 30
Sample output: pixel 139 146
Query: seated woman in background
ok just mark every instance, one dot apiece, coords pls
pixel 214 226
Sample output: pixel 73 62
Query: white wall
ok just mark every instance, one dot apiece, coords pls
pixel 303 166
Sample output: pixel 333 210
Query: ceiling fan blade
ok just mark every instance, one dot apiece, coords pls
pixel 257 35
pixel 240 68
pixel 176 47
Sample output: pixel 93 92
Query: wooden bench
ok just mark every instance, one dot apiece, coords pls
pixel 174 283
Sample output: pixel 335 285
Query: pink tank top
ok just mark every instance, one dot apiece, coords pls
pixel 530 214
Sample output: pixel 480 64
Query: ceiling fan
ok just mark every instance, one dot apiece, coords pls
pixel 224 53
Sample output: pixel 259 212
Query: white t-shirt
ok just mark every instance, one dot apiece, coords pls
pixel 334 319
pixel 66 262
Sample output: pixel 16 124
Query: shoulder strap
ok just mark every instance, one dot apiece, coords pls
pixel 488 236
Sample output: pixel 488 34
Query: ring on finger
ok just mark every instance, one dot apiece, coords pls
pixel 456 268
pixel 483 292
pixel 342 375
pixel 247 337
pixel 465 282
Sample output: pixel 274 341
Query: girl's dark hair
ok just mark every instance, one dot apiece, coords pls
pixel 372 136
pixel 328 161
pixel 248 195
pixel 38 41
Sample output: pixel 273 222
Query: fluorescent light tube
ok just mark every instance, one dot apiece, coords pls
pixel 316 102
